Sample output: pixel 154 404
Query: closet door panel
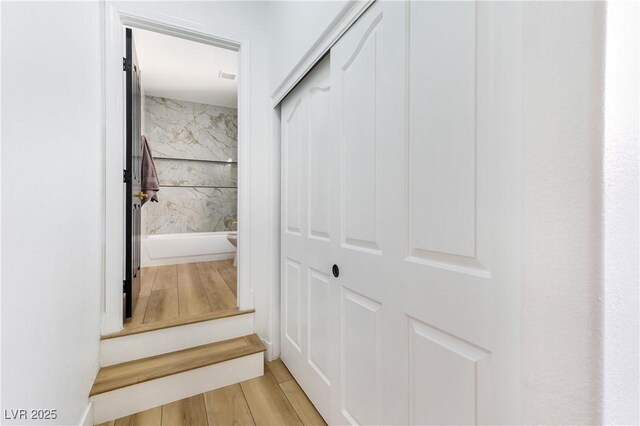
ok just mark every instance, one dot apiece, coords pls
pixel 319 332
pixel 442 129
pixel 367 74
pixel 306 235
pixel 358 162
pixel 294 136
pixel 407 184
pixel 319 163
pixel 360 358
pixel 456 298
pixel 292 327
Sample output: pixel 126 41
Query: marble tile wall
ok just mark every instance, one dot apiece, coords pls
pixel 195 196
pixel 182 210
pixel 178 172
pixel 190 130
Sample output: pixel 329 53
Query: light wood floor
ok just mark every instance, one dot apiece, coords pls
pixel 272 399
pixel 184 291
pixel 142 370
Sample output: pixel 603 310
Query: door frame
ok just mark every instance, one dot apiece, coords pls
pixel 116 17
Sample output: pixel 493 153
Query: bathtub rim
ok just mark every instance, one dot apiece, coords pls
pixel 188 247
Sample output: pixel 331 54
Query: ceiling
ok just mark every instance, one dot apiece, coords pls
pixel 186 70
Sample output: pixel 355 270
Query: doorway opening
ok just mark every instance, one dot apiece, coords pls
pixel 184 237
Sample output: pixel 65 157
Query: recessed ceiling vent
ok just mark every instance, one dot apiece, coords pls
pixel 226 75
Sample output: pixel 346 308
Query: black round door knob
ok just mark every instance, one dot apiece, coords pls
pixel 335 270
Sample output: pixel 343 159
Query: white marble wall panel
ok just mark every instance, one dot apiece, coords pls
pixel 182 210
pixel 183 129
pixel 180 172
pixel 195 196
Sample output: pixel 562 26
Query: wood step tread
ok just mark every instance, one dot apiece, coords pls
pixel 133 372
pixel 159 325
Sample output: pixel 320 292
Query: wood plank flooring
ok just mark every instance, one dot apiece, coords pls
pixel 183 291
pixel 264 400
pixel 145 369
pixel 143 328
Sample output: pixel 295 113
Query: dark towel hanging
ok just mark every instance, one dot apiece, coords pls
pixel 150 182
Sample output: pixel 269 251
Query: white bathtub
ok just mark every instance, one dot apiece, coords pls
pixel 170 249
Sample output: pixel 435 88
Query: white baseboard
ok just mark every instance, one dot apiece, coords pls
pixel 269 352
pixel 136 346
pixel 143 396
pixel 87 417
pixel 171 249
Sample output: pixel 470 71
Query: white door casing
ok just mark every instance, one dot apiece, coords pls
pixel 117 16
pixel 306 234
pixel 424 214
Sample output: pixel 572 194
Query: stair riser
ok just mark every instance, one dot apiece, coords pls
pixel 157 342
pixel 143 396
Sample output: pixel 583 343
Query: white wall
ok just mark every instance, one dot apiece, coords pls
pixel 622 350
pixel 52 205
pixel 562 136
pixel 295 26
pixel 52 192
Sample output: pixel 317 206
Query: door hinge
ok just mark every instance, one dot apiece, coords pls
pixel 126 65
pixel 124 284
pixel 126 176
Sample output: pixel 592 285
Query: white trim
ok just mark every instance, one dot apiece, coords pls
pixel 243 251
pixel 269 350
pixel 341 23
pixel 143 345
pixel 273 347
pixel 87 416
pixel 143 396
pixel 1 189
pixel 116 17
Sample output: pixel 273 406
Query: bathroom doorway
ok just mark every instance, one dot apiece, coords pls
pixel 189 191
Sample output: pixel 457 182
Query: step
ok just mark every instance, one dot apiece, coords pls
pixel 134 386
pixel 173 335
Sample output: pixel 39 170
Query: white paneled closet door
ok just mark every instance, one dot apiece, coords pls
pixel 306 235
pixel 422 218
pixel 428 238
pixel 367 105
